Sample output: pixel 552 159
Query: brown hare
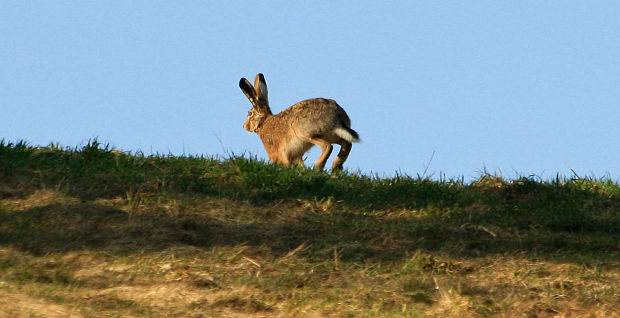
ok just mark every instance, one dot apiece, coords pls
pixel 288 135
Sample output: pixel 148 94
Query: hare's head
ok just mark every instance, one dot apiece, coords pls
pixel 257 95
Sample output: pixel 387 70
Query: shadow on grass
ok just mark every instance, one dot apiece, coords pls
pixel 64 227
pixel 376 218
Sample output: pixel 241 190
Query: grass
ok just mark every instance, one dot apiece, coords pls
pixel 92 231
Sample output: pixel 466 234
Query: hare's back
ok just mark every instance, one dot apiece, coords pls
pixel 317 110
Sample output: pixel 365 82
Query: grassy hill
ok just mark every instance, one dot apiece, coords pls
pixel 98 232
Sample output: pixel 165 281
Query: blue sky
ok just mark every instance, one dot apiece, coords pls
pixel 513 87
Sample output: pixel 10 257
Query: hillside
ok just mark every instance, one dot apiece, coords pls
pixel 97 232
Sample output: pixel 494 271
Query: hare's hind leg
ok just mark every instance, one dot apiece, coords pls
pixel 326 148
pixel 343 154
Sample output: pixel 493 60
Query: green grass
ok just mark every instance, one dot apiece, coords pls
pixel 93 231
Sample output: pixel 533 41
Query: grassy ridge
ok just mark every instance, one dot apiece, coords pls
pixel 241 237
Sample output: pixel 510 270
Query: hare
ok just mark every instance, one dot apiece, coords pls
pixel 288 135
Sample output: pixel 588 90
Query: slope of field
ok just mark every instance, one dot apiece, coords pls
pixel 98 232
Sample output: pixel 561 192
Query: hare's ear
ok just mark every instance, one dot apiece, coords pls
pixel 248 90
pixel 260 86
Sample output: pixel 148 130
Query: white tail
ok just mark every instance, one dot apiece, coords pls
pixel 346 134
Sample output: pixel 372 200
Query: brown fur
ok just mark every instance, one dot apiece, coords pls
pixel 288 135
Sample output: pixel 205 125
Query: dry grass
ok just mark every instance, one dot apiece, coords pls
pixel 94 233
pixel 144 268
